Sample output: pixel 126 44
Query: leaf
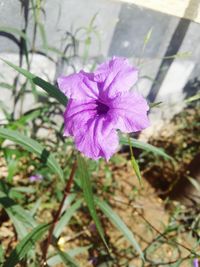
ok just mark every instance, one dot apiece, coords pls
pixel 20 217
pixel 52 90
pixel 66 217
pixel 56 259
pixel 25 245
pixel 6 85
pixel 147 37
pixel 134 163
pixel 23 189
pixel 194 182
pixel 136 169
pixel 35 207
pixel 33 147
pixel 21 122
pixel 12 169
pixel 1 255
pixel 88 195
pixel 67 259
pixel 145 146
pixel 180 55
pixel 16 31
pixel 155 105
pixel 193 98
pixel 43 35
pixel 117 221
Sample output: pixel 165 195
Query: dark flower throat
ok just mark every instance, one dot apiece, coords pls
pixel 102 108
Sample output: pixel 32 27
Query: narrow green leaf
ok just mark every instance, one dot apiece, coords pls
pixel 23 189
pixel 1 255
pixel 67 259
pixel 66 217
pixel 193 98
pixel 136 169
pixel 6 85
pixel 33 147
pixel 145 146
pixel 88 195
pixel 180 55
pixel 148 37
pixel 15 31
pixel 56 259
pixel 43 35
pixel 25 245
pixel 21 218
pixel 134 163
pixel 117 221
pixel 194 182
pixel 52 90
pixel 35 207
pixel 155 105
pixel 21 122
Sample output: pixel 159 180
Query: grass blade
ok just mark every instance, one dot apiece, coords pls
pixel 66 217
pixel 194 182
pixel 52 90
pixel 16 32
pixel 145 146
pixel 56 259
pixel 134 163
pixel 25 245
pixel 88 195
pixel 117 221
pixel 20 217
pixel 67 259
pixel 193 98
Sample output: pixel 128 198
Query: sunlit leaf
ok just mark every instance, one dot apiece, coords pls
pixel 134 163
pixel 193 98
pixel 145 146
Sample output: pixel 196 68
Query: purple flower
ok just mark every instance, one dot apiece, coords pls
pixel 196 263
pixel 99 104
pixel 35 177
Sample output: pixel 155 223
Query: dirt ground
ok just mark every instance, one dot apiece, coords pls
pixel 147 215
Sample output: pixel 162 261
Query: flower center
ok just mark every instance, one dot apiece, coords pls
pixel 102 108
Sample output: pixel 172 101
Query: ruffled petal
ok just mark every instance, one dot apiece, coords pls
pixel 115 76
pixel 77 114
pixel 78 86
pixel 97 138
pixel 129 112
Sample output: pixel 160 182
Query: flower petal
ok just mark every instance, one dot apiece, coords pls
pixel 77 113
pixel 129 111
pixel 78 86
pixel 116 76
pixel 97 138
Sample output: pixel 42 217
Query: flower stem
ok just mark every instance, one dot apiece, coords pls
pixel 58 213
